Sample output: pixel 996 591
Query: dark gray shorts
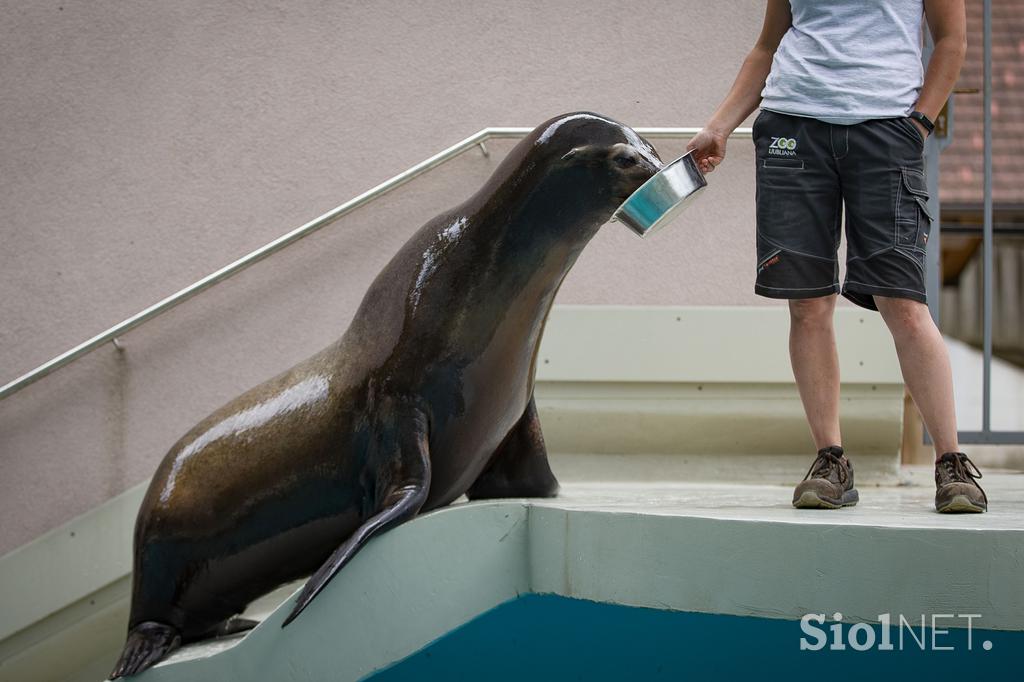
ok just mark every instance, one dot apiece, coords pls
pixel 807 171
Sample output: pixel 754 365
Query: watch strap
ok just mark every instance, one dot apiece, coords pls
pixel 923 120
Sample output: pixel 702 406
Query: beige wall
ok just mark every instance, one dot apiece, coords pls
pixel 145 144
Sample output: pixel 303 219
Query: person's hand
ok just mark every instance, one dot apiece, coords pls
pixel 708 149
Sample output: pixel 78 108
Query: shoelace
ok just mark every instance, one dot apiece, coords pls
pixel 825 463
pixel 961 469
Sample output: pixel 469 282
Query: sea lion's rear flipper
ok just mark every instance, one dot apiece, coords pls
pixel 147 643
pixel 519 467
pixel 401 468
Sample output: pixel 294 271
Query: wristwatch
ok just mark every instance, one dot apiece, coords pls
pixel 923 120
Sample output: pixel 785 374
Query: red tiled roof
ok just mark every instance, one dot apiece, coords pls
pixel 962 162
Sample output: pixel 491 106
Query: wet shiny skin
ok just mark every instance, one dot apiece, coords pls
pixel 267 487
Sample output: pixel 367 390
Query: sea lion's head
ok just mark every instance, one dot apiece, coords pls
pixel 567 176
pixel 595 160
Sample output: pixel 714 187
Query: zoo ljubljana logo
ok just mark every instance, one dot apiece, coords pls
pixel 782 146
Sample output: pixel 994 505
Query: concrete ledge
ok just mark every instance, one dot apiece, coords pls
pixel 713 548
pixel 601 431
pixel 633 546
pixel 706 393
pixel 709 344
pixel 66 596
pixel 72 561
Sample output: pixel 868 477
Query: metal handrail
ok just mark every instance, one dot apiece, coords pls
pixel 476 139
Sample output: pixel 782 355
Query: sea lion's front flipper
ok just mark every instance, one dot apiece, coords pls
pixel 519 467
pixel 402 486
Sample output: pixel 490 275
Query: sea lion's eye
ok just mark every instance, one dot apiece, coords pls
pixel 625 160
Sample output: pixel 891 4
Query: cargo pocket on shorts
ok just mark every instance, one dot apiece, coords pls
pixel 913 219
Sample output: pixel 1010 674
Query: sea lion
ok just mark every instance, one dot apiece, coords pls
pixel 426 397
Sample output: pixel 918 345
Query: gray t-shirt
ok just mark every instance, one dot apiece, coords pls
pixel 846 61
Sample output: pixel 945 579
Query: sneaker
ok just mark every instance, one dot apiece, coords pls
pixel 956 489
pixel 828 483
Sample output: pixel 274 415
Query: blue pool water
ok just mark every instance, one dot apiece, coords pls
pixel 549 637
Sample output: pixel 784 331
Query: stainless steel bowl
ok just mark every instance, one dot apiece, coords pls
pixel 663 197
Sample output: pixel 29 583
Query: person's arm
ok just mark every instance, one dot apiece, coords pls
pixel 745 93
pixel 947 21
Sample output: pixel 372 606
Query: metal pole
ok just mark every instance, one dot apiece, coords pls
pixel 986 404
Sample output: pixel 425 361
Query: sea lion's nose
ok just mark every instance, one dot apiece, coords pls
pixel 650 166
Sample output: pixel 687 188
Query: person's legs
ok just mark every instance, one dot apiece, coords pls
pixel 887 225
pixel 815 361
pixel 799 206
pixel 925 364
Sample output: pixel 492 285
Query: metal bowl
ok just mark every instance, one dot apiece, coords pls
pixel 663 197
